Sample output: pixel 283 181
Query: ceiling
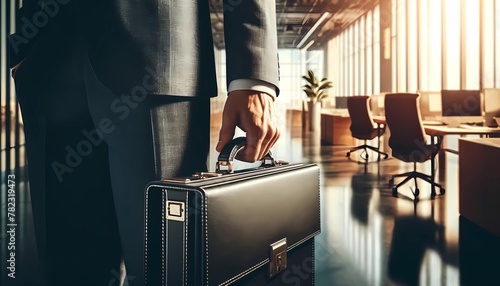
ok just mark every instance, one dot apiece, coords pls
pixel 300 21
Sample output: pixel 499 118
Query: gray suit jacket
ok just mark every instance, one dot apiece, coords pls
pixel 131 40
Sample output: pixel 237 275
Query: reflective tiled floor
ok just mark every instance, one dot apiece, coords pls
pixel 368 237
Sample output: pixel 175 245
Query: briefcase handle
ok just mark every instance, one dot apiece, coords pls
pixel 229 151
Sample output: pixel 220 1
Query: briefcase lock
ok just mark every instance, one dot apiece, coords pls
pixel 175 210
pixel 278 259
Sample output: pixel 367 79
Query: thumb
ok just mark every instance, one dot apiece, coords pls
pixel 226 133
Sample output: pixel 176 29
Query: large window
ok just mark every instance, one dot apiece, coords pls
pixel 369 53
pixel 435 44
pixel 399 44
pixel 471 44
pixel 412 55
pixel 12 135
pixel 451 42
pixel 488 40
pixel 496 35
pixel 376 50
pixel 356 50
pixel 423 44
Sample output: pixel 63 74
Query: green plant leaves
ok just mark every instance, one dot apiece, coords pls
pixel 314 88
pixel 325 85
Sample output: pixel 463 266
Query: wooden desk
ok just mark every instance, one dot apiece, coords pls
pixel 380 120
pixel 443 130
pixel 435 130
pixel 295 117
pixel 334 125
pixel 479 181
pixel 335 129
pixel 439 131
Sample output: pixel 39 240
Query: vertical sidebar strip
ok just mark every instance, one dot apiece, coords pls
pixel 154 258
pixel 176 240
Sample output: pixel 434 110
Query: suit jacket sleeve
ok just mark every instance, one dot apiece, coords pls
pixel 251 40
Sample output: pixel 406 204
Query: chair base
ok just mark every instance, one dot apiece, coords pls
pixel 414 175
pixel 364 147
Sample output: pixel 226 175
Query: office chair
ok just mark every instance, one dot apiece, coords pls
pixel 408 139
pixel 362 126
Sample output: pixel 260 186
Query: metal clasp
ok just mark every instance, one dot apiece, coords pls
pixel 175 210
pixel 268 160
pixel 224 163
pixel 278 257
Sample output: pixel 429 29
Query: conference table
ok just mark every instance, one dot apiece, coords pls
pixel 437 133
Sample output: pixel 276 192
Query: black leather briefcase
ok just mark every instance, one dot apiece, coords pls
pixel 247 227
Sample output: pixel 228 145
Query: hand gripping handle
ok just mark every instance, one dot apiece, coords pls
pixel 229 151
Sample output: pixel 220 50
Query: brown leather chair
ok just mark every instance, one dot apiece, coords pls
pixel 408 140
pixel 363 127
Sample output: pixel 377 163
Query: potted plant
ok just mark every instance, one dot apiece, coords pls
pixel 315 91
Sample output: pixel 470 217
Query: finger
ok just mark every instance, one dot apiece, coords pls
pixel 275 138
pixel 268 142
pixel 252 150
pixel 226 133
pixel 240 155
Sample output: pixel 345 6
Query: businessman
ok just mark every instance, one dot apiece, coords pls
pixel 115 94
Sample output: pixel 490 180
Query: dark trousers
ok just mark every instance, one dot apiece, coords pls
pixel 90 155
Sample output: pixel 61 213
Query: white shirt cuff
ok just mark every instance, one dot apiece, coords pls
pixel 252 84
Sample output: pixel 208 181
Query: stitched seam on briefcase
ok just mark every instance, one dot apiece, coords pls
pixel 319 221
pixel 312 235
pixel 164 252
pixel 244 273
pixel 313 248
pixel 185 239
pixel 146 239
pixel 206 235
pixel 319 201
